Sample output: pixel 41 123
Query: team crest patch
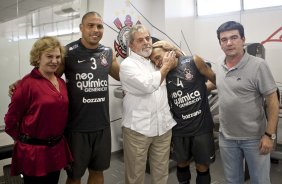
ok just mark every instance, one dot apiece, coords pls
pixel 103 59
pixel 120 44
pixel 187 74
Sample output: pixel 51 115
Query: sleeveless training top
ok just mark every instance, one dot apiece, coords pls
pixel 86 72
pixel 188 100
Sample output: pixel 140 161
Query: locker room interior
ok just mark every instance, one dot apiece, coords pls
pixel 188 24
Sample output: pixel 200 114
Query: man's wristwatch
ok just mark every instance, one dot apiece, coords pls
pixel 271 136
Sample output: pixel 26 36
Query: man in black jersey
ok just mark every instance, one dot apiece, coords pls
pixel 192 137
pixel 87 66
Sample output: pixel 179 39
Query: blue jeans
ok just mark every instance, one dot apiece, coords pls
pixel 233 152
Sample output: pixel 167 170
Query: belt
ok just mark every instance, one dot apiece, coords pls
pixel 51 141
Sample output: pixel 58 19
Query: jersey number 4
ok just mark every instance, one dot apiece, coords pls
pixel 179 83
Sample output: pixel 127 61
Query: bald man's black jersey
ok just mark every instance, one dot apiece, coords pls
pixel 86 72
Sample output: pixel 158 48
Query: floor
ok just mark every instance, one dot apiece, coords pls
pixel 115 174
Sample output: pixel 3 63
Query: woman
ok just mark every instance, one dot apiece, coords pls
pixel 37 116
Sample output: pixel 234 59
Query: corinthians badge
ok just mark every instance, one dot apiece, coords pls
pixel 121 43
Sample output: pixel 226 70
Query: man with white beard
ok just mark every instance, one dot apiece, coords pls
pixel 147 121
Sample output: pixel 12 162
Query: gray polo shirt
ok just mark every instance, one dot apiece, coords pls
pixel 241 91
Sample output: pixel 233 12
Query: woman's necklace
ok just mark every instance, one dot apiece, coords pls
pixel 52 78
pixel 55 83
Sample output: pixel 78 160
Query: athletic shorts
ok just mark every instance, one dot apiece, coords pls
pixel 199 148
pixel 90 150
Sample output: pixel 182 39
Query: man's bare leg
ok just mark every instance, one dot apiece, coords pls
pixel 95 177
pixel 73 181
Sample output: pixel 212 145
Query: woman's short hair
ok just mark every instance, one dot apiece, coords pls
pixel 45 44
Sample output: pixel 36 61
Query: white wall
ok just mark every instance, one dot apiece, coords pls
pixel 179 23
pixel 202 39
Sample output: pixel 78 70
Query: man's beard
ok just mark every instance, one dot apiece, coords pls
pixel 145 52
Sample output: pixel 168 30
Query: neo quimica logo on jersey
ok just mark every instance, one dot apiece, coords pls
pixel 86 82
pixel 183 100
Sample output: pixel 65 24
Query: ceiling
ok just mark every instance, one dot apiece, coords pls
pixel 20 19
pixel 11 9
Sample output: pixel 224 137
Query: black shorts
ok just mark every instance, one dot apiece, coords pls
pixel 90 150
pixel 199 148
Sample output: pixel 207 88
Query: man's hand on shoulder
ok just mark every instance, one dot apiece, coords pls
pixel 12 88
pixel 169 62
